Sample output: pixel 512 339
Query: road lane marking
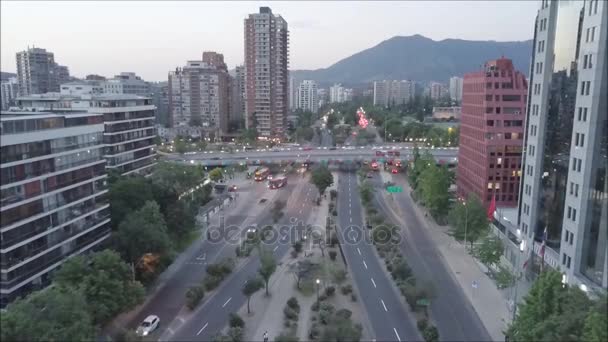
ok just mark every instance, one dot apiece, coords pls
pixel 358 251
pixel 245 282
pixel 373 282
pixel 364 264
pixel 170 331
pixel 275 248
pixel 203 328
pixel 351 220
pixel 384 305
pixel 398 338
pixel 300 211
pixel 228 301
pixel 181 320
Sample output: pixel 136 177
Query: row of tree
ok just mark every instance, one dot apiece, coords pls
pixel 431 183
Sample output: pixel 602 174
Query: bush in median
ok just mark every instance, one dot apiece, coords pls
pixel 194 296
pixel 235 321
pixel 211 282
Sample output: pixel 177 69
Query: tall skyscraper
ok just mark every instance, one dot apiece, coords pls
pixel 9 90
pixel 307 96
pixel 237 95
pixel 37 72
pixel 437 90
pixel 54 195
pixel 199 95
pixel 565 171
pixel 491 133
pixel 266 73
pixel 456 88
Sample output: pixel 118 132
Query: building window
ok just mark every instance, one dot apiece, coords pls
pixel 563 258
pixel 568 262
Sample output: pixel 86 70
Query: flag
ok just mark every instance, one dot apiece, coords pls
pixel 492 208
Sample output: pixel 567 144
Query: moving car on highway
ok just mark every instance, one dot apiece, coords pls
pixel 149 324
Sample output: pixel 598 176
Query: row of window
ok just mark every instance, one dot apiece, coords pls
pixel 593 5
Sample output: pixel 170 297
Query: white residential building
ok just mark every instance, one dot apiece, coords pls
pixel 393 92
pixel 337 93
pixel 307 96
pixel 456 88
pixel 9 92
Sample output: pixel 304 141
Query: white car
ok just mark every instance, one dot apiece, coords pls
pixel 148 325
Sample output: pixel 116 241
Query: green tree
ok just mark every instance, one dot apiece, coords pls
pixel 55 314
pixel 180 219
pixel 469 215
pixel 322 178
pixel 143 231
pixel 434 185
pixel 366 191
pixel 341 328
pixel 267 267
pixel 490 250
pixel 216 174
pixel 252 286
pixel 106 282
pixel 551 312
pixel 180 146
pixel 127 195
pixel 596 323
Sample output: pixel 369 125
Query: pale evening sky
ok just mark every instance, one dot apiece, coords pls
pixel 153 37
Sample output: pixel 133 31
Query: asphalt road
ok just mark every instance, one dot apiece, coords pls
pixel 390 320
pixel 452 312
pixel 212 316
pixel 170 298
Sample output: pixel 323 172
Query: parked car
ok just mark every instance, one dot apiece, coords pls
pixel 394 170
pixel 149 324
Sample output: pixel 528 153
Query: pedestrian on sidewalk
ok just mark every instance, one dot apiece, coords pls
pixel 265 336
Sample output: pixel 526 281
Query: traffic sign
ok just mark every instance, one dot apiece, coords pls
pixel 393 189
pixel 422 302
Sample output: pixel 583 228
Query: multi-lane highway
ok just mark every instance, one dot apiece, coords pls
pixel 452 312
pixel 210 317
pixel 390 319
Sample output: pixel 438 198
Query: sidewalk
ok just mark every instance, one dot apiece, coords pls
pixel 487 300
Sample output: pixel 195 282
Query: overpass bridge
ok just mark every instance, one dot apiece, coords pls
pixel 337 156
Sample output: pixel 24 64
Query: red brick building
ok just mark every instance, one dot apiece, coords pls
pixel 491 133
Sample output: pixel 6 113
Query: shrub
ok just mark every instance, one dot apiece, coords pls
pixel 297 246
pixel 330 291
pixel 290 313
pixel 322 297
pixel 334 212
pixel 315 331
pixel 236 334
pixel 430 334
pixel 333 194
pixel 344 313
pixel 235 321
pixel 422 324
pixel 332 255
pixel 353 297
pixel 315 306
pixel 211 282
pixel 194 296
pixel 324 316
pixel 401 271
pixel 293 303
pixel 333 239
pixel 346 289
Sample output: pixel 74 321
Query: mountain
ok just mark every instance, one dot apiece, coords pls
pixel 420 59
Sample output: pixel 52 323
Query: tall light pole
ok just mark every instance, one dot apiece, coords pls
pixel 318 285
pixel 466 223
pixel 522 247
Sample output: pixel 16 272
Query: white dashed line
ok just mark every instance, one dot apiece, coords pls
pixel 351 220
pixel 275 248
pixel 181 320
pixel 228 301
pixel 358 251
pixel 170 331
pixel 384 305
pixel 364 264
pixel 396 334
pixel 373 282
pixel 203 328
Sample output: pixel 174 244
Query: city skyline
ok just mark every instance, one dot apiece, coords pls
pixel 169 44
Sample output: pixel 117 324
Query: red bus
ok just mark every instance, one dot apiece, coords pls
pixel 261 174
pixel 277 181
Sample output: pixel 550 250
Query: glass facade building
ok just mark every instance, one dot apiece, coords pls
pixel 564 189
pixel 53 201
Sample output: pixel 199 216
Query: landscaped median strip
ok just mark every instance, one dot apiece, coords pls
pixel 385 239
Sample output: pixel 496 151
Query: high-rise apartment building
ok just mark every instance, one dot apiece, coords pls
pixel 54 194
pixel 337 93
pixel 37 72
pixel 391 93
pixel 292 93
pixel 456 88
pixel 307 96
pixel 199 95
pixel 266 73
pixel 237 95
pixel 491 133
pixel 437 90
pixel 565 171
pixel 129 123
pixel 9 90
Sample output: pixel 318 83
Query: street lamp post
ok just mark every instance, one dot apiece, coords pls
pixel 522 247
pixel 318 285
